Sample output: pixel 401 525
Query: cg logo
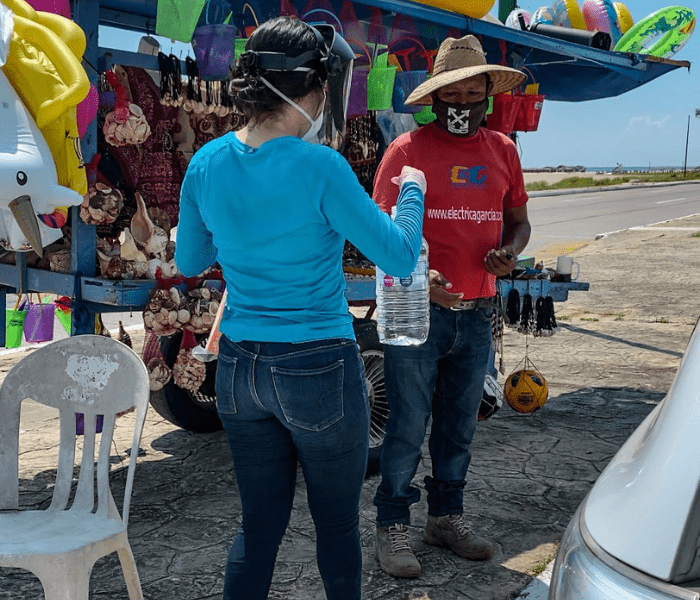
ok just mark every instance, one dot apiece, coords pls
pixel 468 176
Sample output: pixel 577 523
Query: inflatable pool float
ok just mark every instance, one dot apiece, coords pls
pixel 542 15
pixel 471 8
pixel 567 13
pixel 661 34
pixel 600 15
pixel 513 19
pixel 623 17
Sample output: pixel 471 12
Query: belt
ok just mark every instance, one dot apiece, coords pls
pixel 474 304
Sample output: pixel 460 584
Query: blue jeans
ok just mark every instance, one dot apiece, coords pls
pixel 283 403
pixel 443 377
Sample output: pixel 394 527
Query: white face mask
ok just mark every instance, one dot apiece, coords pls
pixel 315 124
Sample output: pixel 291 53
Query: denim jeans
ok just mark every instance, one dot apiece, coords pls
pixel 283 404
pixel 443 377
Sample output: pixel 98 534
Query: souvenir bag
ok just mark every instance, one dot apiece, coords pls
pixel 38 324
pixel 14 323
pixel 213 43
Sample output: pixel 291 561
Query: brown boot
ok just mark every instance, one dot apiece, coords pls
pixel 394 552
pixel 451 531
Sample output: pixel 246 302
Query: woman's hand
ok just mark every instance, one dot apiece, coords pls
pixel 438 290
pixel 409 174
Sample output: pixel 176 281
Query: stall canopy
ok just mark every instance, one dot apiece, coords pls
pixel 565 71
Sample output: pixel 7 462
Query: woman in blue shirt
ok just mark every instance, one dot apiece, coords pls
pixel 274 211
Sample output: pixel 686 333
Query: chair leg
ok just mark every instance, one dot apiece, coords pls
pixel 65 580
pixel 131 575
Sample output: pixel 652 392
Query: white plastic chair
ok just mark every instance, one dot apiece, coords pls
pixel 93 375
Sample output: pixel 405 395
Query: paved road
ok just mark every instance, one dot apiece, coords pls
pixel 573 217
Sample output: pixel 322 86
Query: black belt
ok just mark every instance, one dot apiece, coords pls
pixel 474 304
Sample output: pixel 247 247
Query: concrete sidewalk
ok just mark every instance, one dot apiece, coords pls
pixel 612 361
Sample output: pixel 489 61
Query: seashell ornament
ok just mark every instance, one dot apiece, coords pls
pixel 101 205
pixel 126 124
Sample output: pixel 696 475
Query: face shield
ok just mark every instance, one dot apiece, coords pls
pixel 336 58
pixel 338 62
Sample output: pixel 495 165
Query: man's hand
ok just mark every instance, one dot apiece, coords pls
pixel 438 290
pixel 501 262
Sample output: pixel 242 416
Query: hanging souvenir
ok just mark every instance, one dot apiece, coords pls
pixel 126 124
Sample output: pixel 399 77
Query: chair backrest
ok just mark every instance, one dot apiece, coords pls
pixel 89 374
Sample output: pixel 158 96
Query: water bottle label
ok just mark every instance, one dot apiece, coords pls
pixel 388 281
pixel 406 281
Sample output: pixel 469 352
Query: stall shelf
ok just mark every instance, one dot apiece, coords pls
pixel 564 70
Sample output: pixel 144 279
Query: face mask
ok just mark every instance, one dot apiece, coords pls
pixel 460 119
pixel 312 134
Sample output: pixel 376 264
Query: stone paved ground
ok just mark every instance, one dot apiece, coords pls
pixel 611 363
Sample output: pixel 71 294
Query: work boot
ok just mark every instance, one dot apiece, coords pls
pixel 394 552
pixel 451 531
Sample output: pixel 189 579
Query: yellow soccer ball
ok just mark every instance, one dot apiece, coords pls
pixel 525 390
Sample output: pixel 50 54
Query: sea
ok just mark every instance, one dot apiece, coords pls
pixel 618 169
pixel 645 169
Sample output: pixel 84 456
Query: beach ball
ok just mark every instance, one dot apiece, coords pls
pixel 567 13
pixel 525 391
pixel 543 15
pixel 623 17
pixel 513 19
pixel 600 15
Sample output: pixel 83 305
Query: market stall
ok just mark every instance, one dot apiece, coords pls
pixel 152 111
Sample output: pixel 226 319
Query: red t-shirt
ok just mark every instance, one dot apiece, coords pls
pixel 470 181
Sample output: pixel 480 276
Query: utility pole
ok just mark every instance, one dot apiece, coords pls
pixel 687 135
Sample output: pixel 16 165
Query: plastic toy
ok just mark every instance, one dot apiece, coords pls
pixel 43 65
pixel 600 15
pixel 30 188
pixel 567 13
pixel 661 34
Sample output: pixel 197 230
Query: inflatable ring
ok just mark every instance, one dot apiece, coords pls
pixel 475 9
pixel 542 15
pixel 513 19
pixel 623 17
pixel 600 15
pixel 567 13
pixel 661 34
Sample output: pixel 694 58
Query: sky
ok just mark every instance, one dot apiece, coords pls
pixel 643 127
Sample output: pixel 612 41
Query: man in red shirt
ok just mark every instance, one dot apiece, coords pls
pixel 476 224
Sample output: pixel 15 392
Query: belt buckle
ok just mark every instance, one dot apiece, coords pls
pixel 465 305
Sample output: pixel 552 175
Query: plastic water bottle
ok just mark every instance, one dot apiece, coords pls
pixel 403 304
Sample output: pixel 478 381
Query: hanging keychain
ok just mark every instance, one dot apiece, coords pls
pixel 526 315
pixel 513 308
pixel 497 328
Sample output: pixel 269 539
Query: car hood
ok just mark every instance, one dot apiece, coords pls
pixel 645 507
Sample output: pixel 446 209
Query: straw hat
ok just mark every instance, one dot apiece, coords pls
pixel 459 59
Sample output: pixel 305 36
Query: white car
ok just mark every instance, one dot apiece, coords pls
pixel 636 536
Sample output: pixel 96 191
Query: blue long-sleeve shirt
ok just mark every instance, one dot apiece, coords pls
pixel 276 219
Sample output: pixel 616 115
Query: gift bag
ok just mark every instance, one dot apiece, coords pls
pixel 63 312
pixel 38 324
pixel 14 323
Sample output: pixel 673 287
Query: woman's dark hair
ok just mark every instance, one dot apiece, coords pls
pixel 290 36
